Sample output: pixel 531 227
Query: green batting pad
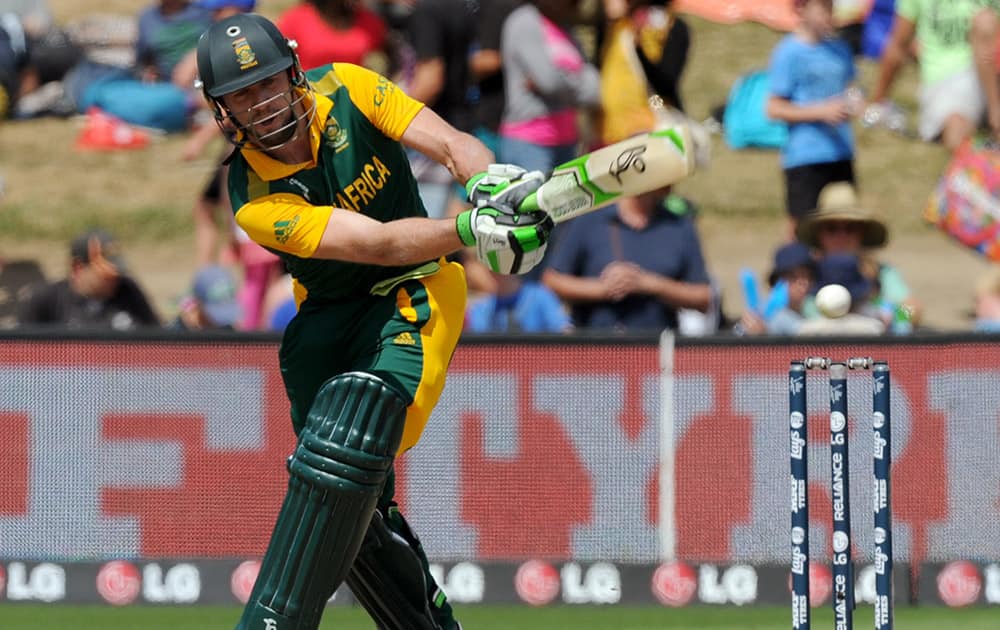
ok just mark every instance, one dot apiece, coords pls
pixel 391 578
pixel 338 470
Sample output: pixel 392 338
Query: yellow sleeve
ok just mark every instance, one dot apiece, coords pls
pixel 284 222
pixel 379 99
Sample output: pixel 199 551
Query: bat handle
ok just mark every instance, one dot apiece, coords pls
pixel 530 203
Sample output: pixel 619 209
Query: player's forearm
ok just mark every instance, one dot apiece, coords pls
pixel 574 289
pixel 463 154
pixel 466 155
pixel 355 238
pixel 697 296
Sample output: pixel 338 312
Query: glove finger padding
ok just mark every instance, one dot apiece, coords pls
pixel 505 241
pixel 506 184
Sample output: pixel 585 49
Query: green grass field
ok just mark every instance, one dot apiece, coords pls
pixel 33 617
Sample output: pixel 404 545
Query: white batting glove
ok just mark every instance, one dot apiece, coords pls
pixel 506 241
pixel 507 184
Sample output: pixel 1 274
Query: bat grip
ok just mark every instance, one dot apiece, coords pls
pixel 530 203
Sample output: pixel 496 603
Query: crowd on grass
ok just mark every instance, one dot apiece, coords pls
pixel 514 73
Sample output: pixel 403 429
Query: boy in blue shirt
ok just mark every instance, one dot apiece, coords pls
pixel 810 72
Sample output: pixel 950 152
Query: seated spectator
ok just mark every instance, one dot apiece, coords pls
pixel 987 302
pixel 517 306
pixel 13 63
pixel 792 277
pixel 951 98
pixel 97 293
pixel 630 266
pixel 167 31
pixel 212 303
pixel 17 277
pixel 43 54
pixel 333 30
pixel 35 14
pixel 984 37
pixel 863 315
pixel 185 71
pixel 840 224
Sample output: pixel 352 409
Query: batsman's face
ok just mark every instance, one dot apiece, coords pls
pixel 266 110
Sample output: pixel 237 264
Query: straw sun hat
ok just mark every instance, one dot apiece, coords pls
pixel 839 202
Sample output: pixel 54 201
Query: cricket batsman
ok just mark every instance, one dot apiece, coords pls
pixel 319 176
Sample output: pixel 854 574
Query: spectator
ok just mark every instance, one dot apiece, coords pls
pixel 400 57
pixel 792 277
pixel 333 30
pixel 168 30
pixel 14 80
pixel 546 79
pixel 97 293
pixel 810 72
pixel 863 318
pixel 841 224
pixel 630 266
pixel 517 305
pixel 951 99
pixel 984 37
pixel 645 53
pixel 486 70
pixel 35 56
pixel 441 33
pixel 17 278
pixel 987 302
pixel 36 15
pixel 486 65
pixel 211 304
pixel 185 72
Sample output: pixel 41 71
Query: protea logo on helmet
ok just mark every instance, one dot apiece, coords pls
pixel 244 53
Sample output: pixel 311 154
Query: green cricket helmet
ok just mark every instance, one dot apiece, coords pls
pixel 243 49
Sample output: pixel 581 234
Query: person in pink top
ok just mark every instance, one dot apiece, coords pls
pixel 546 79
pixel 333 30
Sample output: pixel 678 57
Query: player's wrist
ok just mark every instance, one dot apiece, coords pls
pixel 463 225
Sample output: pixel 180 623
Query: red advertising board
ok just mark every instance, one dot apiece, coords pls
pixel 554 451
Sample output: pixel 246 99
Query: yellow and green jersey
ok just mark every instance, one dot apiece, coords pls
pixel 358 164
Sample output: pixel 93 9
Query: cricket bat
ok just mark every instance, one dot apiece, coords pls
pixel 634 166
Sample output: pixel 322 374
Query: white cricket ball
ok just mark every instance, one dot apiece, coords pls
pixel 833 300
